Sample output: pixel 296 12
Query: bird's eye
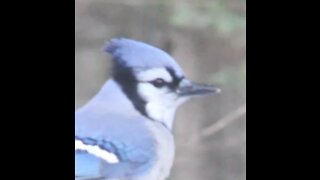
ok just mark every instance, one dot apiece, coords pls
pixel 158 83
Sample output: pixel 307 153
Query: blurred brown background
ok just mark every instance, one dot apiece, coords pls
pixel 208 39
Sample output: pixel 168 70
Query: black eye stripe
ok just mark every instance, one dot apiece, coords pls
pixel 161 83
pixel 175 79
pixel 158 82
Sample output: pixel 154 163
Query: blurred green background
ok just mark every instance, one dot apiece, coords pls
pixel 208 39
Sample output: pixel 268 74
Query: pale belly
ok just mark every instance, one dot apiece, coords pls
pixel 165 151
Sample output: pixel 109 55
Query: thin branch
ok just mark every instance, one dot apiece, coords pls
pixel 221 124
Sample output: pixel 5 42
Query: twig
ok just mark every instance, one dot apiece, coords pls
pixel 221 124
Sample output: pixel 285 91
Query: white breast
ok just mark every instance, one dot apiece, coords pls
pixel 165 152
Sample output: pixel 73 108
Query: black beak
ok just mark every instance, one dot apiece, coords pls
pixel 187 88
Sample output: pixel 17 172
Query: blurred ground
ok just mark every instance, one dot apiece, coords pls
pixel 208 39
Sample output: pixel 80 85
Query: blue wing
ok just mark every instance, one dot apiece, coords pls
pixel 131 160
pixel 86 165
pixel 129 140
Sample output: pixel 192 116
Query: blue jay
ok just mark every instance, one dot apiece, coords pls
pixel 125 131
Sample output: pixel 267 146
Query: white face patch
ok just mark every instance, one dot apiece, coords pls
pixel 161 103
pixel 97 151
pixel 153 74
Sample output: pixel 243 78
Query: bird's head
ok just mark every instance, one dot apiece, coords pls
pixel 151 79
